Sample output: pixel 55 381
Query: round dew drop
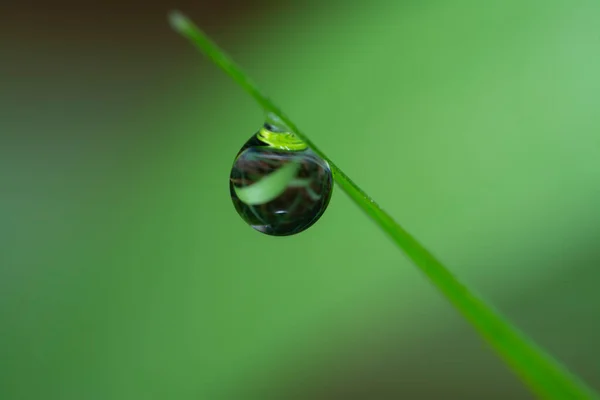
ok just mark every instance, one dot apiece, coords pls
pixel 278 185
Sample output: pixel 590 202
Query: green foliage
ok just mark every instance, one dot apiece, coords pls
pixel 270 187
pixel 545 376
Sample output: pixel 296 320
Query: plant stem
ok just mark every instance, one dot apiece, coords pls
pixel 545 376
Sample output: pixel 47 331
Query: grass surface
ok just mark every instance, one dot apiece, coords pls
pixel 546 377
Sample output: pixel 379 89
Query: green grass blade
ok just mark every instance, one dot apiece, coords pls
pixel 545 376
pixel 269 187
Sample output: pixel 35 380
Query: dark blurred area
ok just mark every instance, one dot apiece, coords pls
pixel 113 19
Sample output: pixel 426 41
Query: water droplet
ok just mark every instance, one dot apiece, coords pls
pixel 278 185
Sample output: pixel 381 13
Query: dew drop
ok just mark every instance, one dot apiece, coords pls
pixel 278 185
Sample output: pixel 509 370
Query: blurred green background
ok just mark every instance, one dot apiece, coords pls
pixel 125 272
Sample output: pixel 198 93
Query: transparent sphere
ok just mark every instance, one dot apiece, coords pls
pixel 278 185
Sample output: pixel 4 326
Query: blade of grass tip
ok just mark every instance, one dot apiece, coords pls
pixel 545 376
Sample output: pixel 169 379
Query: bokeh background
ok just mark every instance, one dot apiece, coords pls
pixel 125 272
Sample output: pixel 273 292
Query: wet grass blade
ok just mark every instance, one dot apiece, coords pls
pixel 545 376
